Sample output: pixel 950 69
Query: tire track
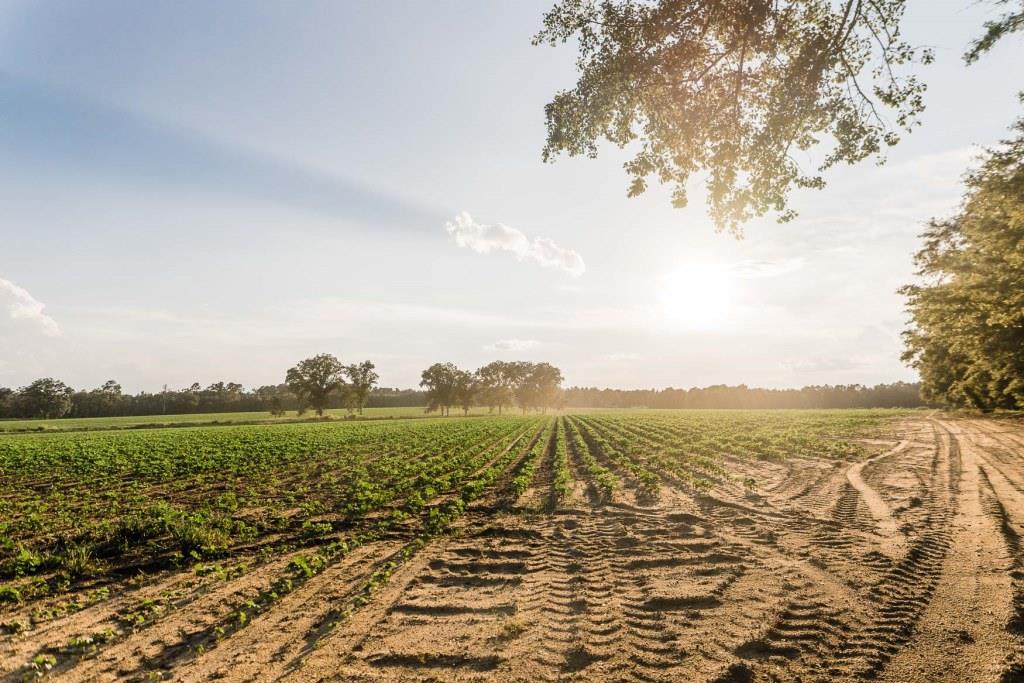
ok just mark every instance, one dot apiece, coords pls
pixel 961 635
pixel 879 509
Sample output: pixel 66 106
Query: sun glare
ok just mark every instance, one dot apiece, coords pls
pixel 698 296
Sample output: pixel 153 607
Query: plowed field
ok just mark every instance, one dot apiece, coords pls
pixel 726 547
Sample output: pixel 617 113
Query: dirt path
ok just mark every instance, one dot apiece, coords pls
pixel 879 509
pixel 962 635
pixel 905 567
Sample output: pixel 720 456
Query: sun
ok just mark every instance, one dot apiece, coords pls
pixel 698 296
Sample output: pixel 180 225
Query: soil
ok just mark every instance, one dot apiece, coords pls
pixel 906 566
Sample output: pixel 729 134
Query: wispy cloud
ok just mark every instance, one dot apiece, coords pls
pixel 21 305
pixel 484 238
pixel 62 128
pixel 513 345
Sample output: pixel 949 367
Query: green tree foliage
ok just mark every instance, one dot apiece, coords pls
pixel 441 380
pixel 315 379
pixel 47 397
pixel 109 400
pixel 107 396
pixel 1010 22
pixel 531 386
pixel 361 380
pixel 967 332
pixel 217 395
pixel 741 90
pixel 495 382
pixel 277 399
pixel 276 406
pixel 538 387
pixel 896 395
pixel 104 400
pixel 467 387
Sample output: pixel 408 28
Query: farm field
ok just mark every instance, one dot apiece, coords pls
pixel 718 546
pixel 196 419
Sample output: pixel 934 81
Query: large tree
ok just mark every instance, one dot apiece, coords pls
pixel 47 397
pixel 741 90
pixel 539 386
pixel 467 387
pixel 361 380
pixel 7 397
pixel 441 380
pixel 967 333
pixel 315 379
pixel 494 383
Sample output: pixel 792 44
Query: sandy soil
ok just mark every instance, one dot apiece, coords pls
pixel 907 566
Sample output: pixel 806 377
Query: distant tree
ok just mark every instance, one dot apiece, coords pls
pixel 103 401
pixel 896 395
pixel 47 398
pixel 488 384
pixel 266 394
pixel 6 402
pixel 232 396
pixel 211 399
pixel 314 380
pixel 361 381
pixel 741 91
pixel 496 382
pixel 538 386
pixel 276 406
pixel 517 374
pixel 441 381
pixel 108 397
pixel 466 388
pixel 387 397
pixel 187 400
pixel 966 337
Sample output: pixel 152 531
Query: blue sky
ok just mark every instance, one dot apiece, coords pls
pixel 204 191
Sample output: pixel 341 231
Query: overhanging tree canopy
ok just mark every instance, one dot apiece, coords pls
pixel 739 89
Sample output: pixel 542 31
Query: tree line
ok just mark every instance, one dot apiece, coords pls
pixel 966 337
pixel 352 387
pixel 315 384
pixel 322 382
pixel 896 395
pixel 52 398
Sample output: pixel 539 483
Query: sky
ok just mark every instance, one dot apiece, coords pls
pixel 195 192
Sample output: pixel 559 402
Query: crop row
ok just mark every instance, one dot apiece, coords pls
pixel 156 502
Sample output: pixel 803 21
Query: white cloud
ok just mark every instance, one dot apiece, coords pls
pixel 513 345
pixel 21 305
pixel 485 238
